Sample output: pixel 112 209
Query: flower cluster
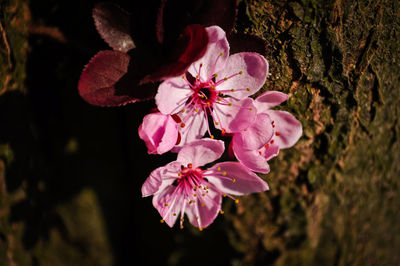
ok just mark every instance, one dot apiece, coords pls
pixel 213 95
pixel 205 93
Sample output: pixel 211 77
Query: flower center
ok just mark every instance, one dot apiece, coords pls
pixel 204 94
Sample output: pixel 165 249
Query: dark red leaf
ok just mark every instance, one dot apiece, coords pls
pixel 179 13
pixel 96 84
pixel 189 47
pixel 113 24
pixel 242 42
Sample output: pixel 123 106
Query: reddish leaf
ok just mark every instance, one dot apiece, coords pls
pixel 241 42
pixel 179 13
pixel 96 84
pixel 113 24
pixel 189 47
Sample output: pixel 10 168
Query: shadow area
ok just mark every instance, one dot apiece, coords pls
pixel 62 145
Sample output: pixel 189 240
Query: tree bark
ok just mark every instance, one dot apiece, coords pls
pixel 70 179
pixel 334 196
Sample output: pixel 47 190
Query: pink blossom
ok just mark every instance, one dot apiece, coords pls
pixel 271 131
pixel 159 132
pixel 216 86
pixel 183 187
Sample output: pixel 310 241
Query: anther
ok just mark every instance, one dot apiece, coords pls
pixel 223 195
pixel 240 72
pixel 183 125
pixel 219 168
pixel 194 195
pixel 216 123
pixel 166 204
pixel 251 108
pixel 259 152
pixel 247 89
pixel 197 76
pixel 272 142
pixel 182 220
pixel 234 180
pixel 183 77
pixel 179 174
pixel 212 136
pixel 232 90
pixel 266 146
pixel 277 133
pixel 229 104
pixel 161 221
pixel 225 79
pixel 183 110
pixel 189 165
pixel 215 75
pixel 202 204
pixel 223 131
pixel 197 217
pixel 201 64
pixel 221 54
pixel 201 228
pixel 224 173
pixel 237 201
pixel 196 110
pixel 181 226
pixel 174 214
pixel 221 212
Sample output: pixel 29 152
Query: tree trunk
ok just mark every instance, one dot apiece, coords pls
pixel 70 179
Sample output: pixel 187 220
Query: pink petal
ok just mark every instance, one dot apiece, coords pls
pixel 254 69
pixel 159 132
pixel 269 99
pixel 271 152
pixel 160 178
pixel 287 127
pixel 96 84
pixel 212 61
pixel 113 24
pixel 245 181
pixel 194 129
pixel 252 159
pixel 172 95
pixel 204 211
pixel 237 117
pixel 257 135
pixel 201 152
pixel 168 202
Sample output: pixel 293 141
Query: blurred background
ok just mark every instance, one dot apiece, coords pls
pixel 71 173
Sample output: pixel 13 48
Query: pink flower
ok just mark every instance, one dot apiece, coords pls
pixel 183 186
pixel 271 131
pixel 159 132
pixel 216 86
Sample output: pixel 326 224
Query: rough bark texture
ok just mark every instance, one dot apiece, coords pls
pixel 70 180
